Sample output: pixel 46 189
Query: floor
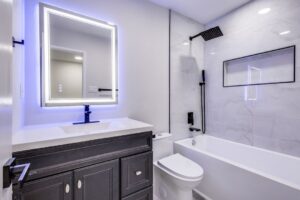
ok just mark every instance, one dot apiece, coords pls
pixel 195 195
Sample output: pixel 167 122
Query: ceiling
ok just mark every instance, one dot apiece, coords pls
pixel 65 55
pixel 203 11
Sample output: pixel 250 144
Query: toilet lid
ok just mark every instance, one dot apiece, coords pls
pixel 181 166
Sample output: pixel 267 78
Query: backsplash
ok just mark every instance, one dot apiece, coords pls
pixel 272 119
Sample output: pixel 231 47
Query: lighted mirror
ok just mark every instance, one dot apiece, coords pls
pixel 79 59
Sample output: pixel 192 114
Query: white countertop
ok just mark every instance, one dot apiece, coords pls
pixel 33 137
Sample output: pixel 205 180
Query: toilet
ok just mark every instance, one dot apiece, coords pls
pixel 178 177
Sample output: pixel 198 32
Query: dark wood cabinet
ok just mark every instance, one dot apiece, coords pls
pixel 96 182
pixel 136 173
pixel 145 194
pixel 57 187
pixel 118 168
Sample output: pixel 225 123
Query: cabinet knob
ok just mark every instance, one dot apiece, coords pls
pixel 79 184
pixel 138 173
pixel 67 189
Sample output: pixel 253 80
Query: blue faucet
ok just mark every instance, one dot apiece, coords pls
pixel 87 114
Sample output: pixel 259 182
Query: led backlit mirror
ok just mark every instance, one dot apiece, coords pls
pixel 79 59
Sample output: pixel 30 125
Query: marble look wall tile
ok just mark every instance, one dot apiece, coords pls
pixel 265 142
pixel 272 121
pixel 289 147
pixel 187 61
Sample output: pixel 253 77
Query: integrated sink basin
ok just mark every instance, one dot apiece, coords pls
pixel 86 128
pixel 47 135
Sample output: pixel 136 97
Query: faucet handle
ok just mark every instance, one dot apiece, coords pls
pixel 87 107
pixel 87 113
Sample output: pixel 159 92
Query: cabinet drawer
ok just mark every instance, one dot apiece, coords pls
pixel 145 194
pixel 136 173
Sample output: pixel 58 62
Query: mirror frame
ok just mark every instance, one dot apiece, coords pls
pixel 45 45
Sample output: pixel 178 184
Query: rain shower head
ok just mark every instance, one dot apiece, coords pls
pixel 209 34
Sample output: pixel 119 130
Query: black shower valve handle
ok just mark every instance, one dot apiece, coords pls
pixel 190 118
pixel 203 76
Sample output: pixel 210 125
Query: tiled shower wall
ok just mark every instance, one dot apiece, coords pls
pixel 187 61
pixel 272 121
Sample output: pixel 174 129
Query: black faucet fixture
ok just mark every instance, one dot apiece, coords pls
pixel 190 120
pixel 193 129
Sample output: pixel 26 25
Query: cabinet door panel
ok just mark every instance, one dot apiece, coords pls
pixel 136 173
pixel 98 182
pixel 58 187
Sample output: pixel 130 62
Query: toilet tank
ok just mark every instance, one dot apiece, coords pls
pixel 162 146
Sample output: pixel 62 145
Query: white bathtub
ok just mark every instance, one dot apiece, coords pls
pixel 234 171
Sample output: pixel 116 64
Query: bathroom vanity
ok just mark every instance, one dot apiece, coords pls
pixel 112 163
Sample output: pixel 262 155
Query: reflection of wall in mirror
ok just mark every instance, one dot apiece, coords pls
pixel 97 67
pixel 66 79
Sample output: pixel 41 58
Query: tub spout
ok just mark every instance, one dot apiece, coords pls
pixel 194 130
pixel 193 141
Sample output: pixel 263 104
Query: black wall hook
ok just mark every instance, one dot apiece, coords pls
pixel 14 41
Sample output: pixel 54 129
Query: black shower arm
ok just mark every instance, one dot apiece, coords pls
pixel 195 36
pixel 209 34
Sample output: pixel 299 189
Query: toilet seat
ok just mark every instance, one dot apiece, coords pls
pixel 181 167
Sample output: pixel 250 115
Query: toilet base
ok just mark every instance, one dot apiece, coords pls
pixel 167 194
pixel 166 189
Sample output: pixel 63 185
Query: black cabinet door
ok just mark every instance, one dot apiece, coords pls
pixel 97 182
pixel 136 173
pixel 58 187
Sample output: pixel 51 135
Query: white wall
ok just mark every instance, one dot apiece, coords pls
pixel 18 65
pixel 271 121
pixel 6 52
pixel 143 62
pixel 66 79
